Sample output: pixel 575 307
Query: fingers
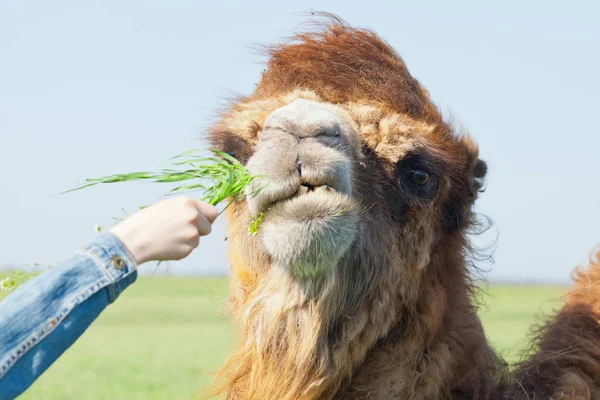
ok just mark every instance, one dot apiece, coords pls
pixel 209 211
pixel 204 227
pixel 195 242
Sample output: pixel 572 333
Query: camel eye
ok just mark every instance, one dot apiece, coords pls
pixel 418 176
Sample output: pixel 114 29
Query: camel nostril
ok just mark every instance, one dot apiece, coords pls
pixel 299 166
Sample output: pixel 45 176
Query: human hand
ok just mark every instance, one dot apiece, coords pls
pixel 167 230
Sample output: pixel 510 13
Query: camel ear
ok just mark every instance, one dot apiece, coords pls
pixel 456 214
pixel 478 179
pixel 477 165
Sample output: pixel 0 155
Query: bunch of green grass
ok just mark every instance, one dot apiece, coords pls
pixel 219 178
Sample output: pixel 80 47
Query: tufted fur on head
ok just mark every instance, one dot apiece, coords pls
pixel 361 289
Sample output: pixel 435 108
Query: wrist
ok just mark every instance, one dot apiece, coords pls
pixel 132 243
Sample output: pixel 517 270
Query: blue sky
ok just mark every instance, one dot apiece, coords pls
pixel 99 87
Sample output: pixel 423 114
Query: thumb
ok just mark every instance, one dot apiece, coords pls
pixel 209 211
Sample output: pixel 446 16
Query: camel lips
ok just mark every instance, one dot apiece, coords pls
pixel 305 189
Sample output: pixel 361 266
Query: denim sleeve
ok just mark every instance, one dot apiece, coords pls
pixel 45 316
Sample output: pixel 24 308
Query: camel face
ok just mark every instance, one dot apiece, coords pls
pixel 338 183
pixel 305 156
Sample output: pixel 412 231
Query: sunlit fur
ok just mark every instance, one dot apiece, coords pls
pixel 392 316
pixel 564 359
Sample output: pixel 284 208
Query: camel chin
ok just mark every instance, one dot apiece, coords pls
pixel 309 233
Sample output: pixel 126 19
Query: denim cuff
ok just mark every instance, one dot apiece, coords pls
pixel 118 263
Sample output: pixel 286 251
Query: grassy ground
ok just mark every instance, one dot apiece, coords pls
pixel 164 337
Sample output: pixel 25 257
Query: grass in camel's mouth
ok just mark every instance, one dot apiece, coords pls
pixel 303 190
pixel 253 227
pixel 218 178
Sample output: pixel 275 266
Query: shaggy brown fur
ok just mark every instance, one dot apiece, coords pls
pixel 394 318
pixel 565 356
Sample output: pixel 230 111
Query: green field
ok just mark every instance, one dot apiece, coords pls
pixel 164 337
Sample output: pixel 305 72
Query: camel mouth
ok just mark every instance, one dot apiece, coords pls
pixel 306 226
pixel 309 232
pixel 294 189
pixel 306 188
pixel 306 192
pixel 309 203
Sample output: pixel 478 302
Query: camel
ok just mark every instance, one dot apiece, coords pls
pixel 360 282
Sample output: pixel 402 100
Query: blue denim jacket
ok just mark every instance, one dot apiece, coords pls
pixel 45 316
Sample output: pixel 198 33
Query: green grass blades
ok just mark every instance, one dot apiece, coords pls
pixel 219 177
pixel 253 227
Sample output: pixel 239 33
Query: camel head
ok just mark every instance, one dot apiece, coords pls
pixel 365 197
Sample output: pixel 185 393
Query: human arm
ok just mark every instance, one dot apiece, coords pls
pixel 46 315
